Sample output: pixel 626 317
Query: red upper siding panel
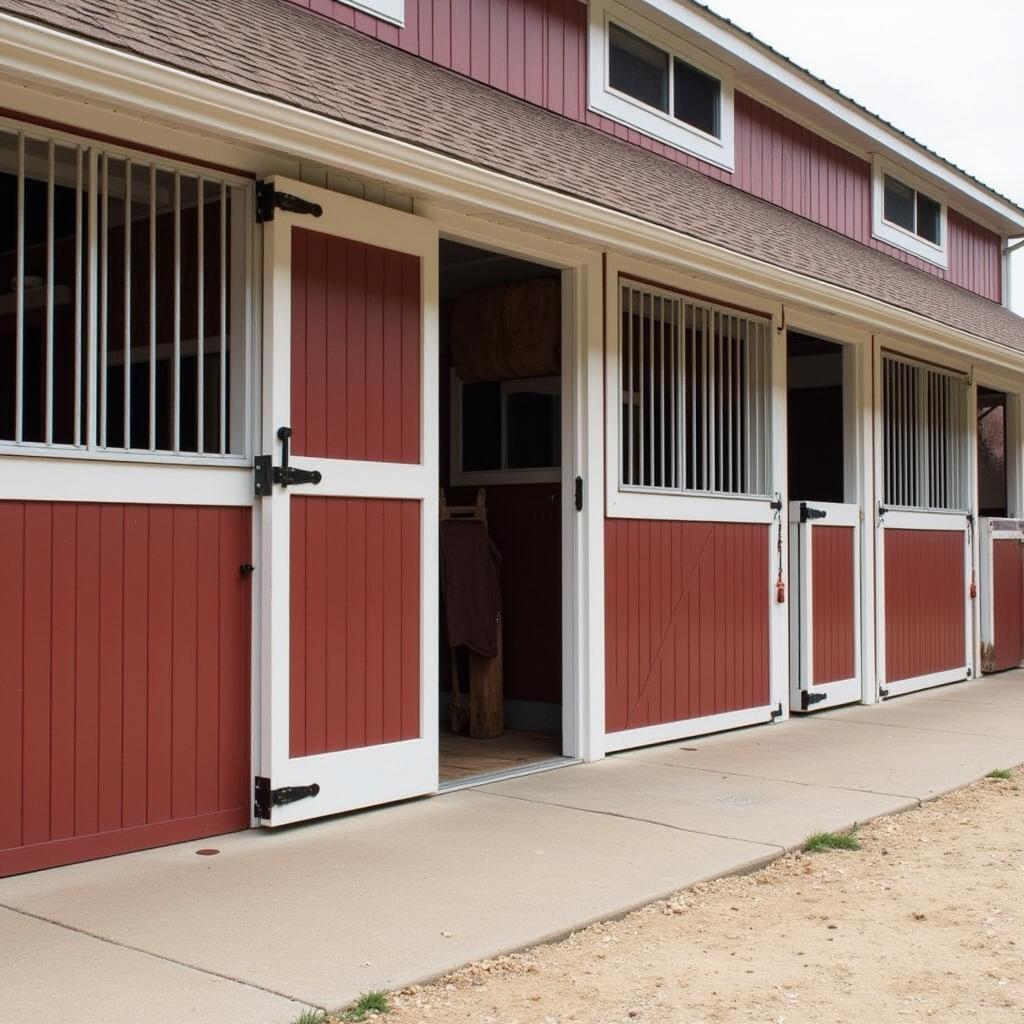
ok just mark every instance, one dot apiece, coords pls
pixel 537 50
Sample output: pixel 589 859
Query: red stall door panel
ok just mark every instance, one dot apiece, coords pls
pixel 832 604
pixel 124 685
pixel 356 350
pixel 1008 603
pixel 925 595
pixel 355 623
pixel 686 608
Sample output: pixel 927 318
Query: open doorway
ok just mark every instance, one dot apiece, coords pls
pixel 816 420
pixel 824 519
pixel 501 644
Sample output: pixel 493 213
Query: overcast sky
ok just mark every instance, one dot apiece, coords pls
pixel 950 73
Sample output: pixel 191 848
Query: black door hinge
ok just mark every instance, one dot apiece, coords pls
pixel 883 692
pixel 807 699
pixel 579 494
pixel 777 712
pixel 807 513
pixel 264 799
pixel 247 568
pixel 776 505
pixel 269 199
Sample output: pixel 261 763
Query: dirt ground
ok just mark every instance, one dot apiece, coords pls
pixel 923 924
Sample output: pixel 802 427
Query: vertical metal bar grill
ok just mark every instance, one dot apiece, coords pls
pixel 925 461
pixel 695 383
pixel 103 250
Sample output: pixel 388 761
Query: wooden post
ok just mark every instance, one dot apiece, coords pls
pixel 486 694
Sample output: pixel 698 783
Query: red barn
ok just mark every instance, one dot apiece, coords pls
pixel 715 366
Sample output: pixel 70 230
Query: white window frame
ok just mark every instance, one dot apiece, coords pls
pixel 893 234
pixel 634 502
pixel 387 10
pixel 551 385
pixel 609 102
pixel 240 282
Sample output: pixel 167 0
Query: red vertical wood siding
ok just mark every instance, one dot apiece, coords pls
pixel 832 604
pixel 355 623
pixel 356 350
pixel 1007 603
pixel 925 595
pixel 788 165
pixel 686 620
pixel 537 50
pixel 124 686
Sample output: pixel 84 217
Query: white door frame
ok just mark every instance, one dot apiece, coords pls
pixel 912 519
pixel 377 774
pixel 996 379
pixel 858 485
pixel 582 455
pixel 700 507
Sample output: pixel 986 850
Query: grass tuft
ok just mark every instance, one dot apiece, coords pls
pixel 822 841
pixel 310 1017
pixel 369 1002
pixel 1000 773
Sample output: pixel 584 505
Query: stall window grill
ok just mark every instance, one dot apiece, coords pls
pixel 123 302
pixel 695 381
pixel 926 437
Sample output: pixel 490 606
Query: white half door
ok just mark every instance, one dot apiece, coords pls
pixel 347 505
pixel 825 647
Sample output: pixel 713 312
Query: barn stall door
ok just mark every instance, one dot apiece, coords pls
pixel 1002 594
pixel 825 542
pixel 924 527
pixel 692 520
pixel 125 717
pixel 348 506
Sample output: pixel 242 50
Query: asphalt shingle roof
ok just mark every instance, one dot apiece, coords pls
pixel 276 49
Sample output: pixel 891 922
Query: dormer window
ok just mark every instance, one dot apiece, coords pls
pixel 653 80
pixel 905 214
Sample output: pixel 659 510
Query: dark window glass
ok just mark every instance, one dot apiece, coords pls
pixel 928 218
pixel 899 203
pixel 481 426
pixel 697 98
pixel 534 437
pixel 637 68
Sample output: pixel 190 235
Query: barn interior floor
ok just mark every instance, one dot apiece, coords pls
pixel 462 757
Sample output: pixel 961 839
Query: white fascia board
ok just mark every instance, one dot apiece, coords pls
pixel 107 77
pixel 738 46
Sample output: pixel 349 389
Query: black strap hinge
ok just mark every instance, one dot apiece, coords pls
pixel 807 699
pixel 264 798
pixel 807 513
pixel 269 199
pixel 777 712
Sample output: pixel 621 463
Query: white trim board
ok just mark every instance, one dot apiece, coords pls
pixel 645 736
pixel 41 56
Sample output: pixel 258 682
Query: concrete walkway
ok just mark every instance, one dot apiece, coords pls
pixel 320 913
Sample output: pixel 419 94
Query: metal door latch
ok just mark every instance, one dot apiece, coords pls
pixel 266 474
